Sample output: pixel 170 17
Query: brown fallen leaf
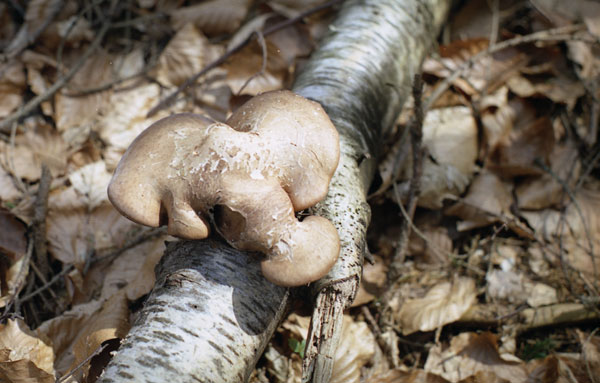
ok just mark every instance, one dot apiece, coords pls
pixel 486 202
pixel 213 17
pixel 39 144
pixel 24 357
pixel 187 53
pixel 443 304
pixel 470 354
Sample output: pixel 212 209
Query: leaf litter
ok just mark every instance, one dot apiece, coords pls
pixel 505 240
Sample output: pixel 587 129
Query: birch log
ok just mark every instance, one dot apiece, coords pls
pixel 361 74
pixel 211 312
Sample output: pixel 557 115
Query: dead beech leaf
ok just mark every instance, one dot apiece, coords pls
pixel 292 8
pixel 40 144
pixel 65 329
pixel 75 231
pixel 126 119
pixel 8 190
pixel 443 304
pixel 372 282
pixel 24 356
pixel 213 17
pixel 186 54
pixel 577 228
pixel 110 322
pixel 507 285
pixel 435 249
pixel 557 88
pixel 81 112
pixel 518 153
pixel 238 75
pixel 399 376
pixel 12 87
pixel 13 240
pixel 486 74
pixel 90 182
pixel 536 193
pixel 470 354
pixel 450 135
pixel 486 202
pixel 133 270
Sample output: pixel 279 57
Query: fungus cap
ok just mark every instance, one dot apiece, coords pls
pixel 275 156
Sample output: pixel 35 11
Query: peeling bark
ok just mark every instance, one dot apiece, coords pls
pixel 211 312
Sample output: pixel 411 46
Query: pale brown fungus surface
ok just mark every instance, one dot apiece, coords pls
pixel 274 156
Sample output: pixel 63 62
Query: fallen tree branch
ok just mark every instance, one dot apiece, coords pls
pixel 211 308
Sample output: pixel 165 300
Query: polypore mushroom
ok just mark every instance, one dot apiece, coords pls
pixel 275 156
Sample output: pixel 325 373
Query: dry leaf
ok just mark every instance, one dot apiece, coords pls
pixel 399 376
pixel 40 144
pixel 133 270
pixel 557 88
pixel 24 357
pixel 13 240
pixel 8 190
pixel 470 354
pixel 38 13
pixel 434 249
pixel 12 87
pixel 110 322
pixel 508 285
pixel 518 153
pixel 577 228
pixel 76 231
pixel 536 193
pixel 541 295
pixel 450 136
pixel 186 54
pixel 372 283
pixel 81 112
pixel 213 17
pixel 91 182
pixel 443 304
pixel 65 329
pixel 126 119
pixel 292 8
pixel 486 202
pixel 486 74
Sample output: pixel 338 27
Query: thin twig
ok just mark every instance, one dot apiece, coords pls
pixel 416 135
pixel 38 224
pixel 20 45
pixel 556 34
pixel 83 362
pixel 579 211
pixel 47 285
pixel 20 280
pixel 36 101
pixel 143 237
pixel 103 87
pixel 236 48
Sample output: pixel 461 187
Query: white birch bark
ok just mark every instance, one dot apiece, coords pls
pixel 211 312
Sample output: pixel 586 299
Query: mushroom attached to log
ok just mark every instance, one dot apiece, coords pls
pixel 274 156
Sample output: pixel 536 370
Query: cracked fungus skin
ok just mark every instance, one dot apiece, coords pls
pixel 275 155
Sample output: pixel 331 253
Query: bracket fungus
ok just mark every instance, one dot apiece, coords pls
pixel 273 157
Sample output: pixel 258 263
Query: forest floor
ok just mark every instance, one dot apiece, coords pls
pixel 499 280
